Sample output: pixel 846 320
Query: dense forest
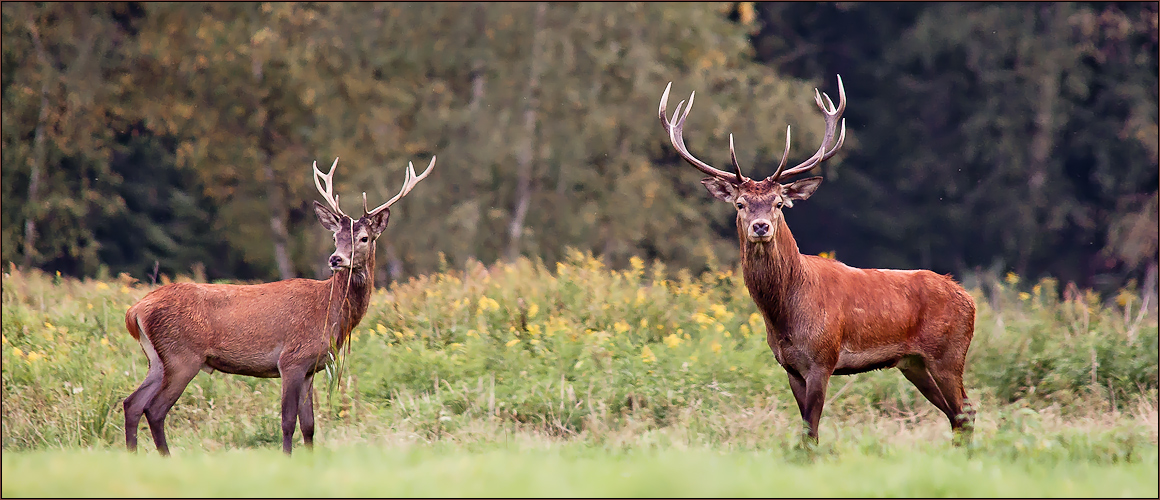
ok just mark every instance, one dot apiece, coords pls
pixel 982 137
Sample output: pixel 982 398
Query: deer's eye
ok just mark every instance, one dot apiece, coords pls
pixel 779 204
pixel 741 205
pixel 364 239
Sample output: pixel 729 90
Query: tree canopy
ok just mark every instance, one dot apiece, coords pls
pixel 1001 136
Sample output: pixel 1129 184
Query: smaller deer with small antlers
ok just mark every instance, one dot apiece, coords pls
pixel 824 318
pixel 288 329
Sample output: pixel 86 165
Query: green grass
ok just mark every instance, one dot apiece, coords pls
pixel 564 471
pixel 519 380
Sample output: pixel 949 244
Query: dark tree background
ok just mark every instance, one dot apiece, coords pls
pixel 984 137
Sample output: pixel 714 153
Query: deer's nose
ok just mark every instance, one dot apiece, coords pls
pixel 760 228
pixel 335 261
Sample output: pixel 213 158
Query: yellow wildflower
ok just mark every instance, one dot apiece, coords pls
pixel 48 325
pixel 1124 297
pixel 715 347
pixel 693 358
pixel 755 320
pixel 3 339
pixel 732 368
pixel 382 329
pixel 1037 289
pixel 647 355
pixel 640 296
pixel 533 310
pixel 718 310
pixel 719 328
pixel 124 289
pixel 534 330
pixel 104 341
pixel 534 341
pixel 17 352
pixel 1024 295
pixel 744 329
pixel 90 305
pixel 1012 278
pixel 33 356
pixel 621 326
pixel 512 342
pixel 473 333
pixel 644 323
pixel 102 286
pixel 701 318
pixel 672 340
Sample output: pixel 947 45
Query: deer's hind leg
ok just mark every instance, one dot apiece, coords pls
pixel 178 372
pixel 137 401
pixel 915 370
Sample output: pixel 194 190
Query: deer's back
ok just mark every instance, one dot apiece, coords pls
pixel 875 308
pixel 232 319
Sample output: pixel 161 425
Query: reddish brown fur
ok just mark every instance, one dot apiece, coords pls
pixel 823 317
pixel 286 329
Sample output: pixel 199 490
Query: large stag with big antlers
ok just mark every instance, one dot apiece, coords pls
pixel 824 318
pixel 288 329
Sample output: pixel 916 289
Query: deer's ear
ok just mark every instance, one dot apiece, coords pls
pixel 377 223
pixel 721 189
pixel 799 190
pixel 329 219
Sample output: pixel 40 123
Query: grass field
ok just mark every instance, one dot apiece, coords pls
pixel 584 381
pixel 563 470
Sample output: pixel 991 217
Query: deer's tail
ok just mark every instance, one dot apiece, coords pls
pixel 131 323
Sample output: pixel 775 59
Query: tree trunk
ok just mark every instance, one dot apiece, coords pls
pixel 39 152
pixel 273 189
pixel 527 154
pixel 478 76
pixel 278 221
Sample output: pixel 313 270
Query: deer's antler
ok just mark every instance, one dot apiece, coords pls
pixel 675 128
pixel 409 183
pixel 832 115
pixel 328 192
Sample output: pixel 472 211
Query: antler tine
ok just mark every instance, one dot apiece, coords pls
pixel 328 192
pixel 675 128
pixel 784 155
pixel 410 180
pixel 832 115
pixel 733 158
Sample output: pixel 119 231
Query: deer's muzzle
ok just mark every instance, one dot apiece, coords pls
pixel 760 230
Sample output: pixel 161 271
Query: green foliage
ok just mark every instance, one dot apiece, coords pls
pixel 582 353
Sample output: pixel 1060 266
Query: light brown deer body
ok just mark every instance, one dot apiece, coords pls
pixel 288 329
pixel 823 317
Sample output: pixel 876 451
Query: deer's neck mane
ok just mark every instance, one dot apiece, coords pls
pixel 773 272
pixel 350 295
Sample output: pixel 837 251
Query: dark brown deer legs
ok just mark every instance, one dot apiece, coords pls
pixel 810 393
pixel 306 411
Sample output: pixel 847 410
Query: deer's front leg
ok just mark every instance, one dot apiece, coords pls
pixel 306 411
pixel 292 378
pixel 816 381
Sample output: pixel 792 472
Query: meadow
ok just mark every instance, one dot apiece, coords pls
pixel 579 380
